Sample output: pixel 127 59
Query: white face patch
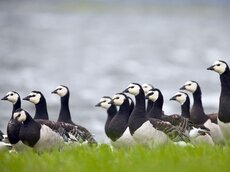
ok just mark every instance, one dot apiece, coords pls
pixel 190 86
pixel 219 67
pixel 35 97
pixel 104 103
pixel 180 97
pixel 61 91
pixel 20 116
pixel 12 97
pixel 153 95
pixel 134 89
pixel 118 99
pixel 146 87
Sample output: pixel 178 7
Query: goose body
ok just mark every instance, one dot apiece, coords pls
pixel 222 68
pixel 13 126
pixel 36 135
pixel 149 131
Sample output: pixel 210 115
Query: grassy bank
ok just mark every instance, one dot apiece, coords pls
pixel 167 158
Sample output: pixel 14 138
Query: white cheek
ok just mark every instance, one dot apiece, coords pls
pixel 35 99
pixel 219 69
pixel 118 102
pixel 181 100
pixel 62 92
pixel 105 105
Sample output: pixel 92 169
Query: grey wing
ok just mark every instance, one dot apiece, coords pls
pixel 180 122
pixel 171 131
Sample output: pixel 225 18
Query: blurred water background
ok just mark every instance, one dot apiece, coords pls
pixel 97 48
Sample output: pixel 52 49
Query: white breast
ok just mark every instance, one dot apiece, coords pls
pixel 225 128
pixel 215 131
pixel 126 140
pixel 149 136
pixel 48 139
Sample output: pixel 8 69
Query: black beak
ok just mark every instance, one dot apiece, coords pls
pixel 173 98
pixel 97 105
pixel 126 90
pixel 54 92
pixel 211 67
pixel 26 98
pixel 183 87
pixel 4 98
pixel 110 102
pixel 148 94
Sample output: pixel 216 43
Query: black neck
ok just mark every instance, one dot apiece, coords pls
pixel 197 97
pixel 156 110
pixel 138 115
pixel 139 109
pixel 64 115
pixel 111 112
pixel 185 109
pixel 16 106
pixel 224 103
pixel 41 110
pixel 150 104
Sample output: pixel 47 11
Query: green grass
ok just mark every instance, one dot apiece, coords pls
pixel 84 158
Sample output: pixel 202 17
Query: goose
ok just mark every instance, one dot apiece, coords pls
pixel 197 136
pixel 197 114
pixel 179 121
pixel 111 112
pixel 78 133
pixel 64 114
pixel 146 87
pixel 13 126
pixel 149 131
pixel 222 68
pixel 38 136
pixel 37 98
pixel 118 126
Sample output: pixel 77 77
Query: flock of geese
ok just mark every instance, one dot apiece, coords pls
pixel 148 125
pixel 143 122
pixel 40 133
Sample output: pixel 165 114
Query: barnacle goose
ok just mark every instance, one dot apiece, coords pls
pixel 197 114
pixel 13 126
pixel 222 68
pixel 118 126
pixel 38 136
pixel 149 131
pixel 64 114
pixel 197 135
pixel 111 112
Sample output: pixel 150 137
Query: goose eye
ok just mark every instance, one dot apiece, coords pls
pixel 179 95
pixel 59 88
pixel 11 94
pixel 218 65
